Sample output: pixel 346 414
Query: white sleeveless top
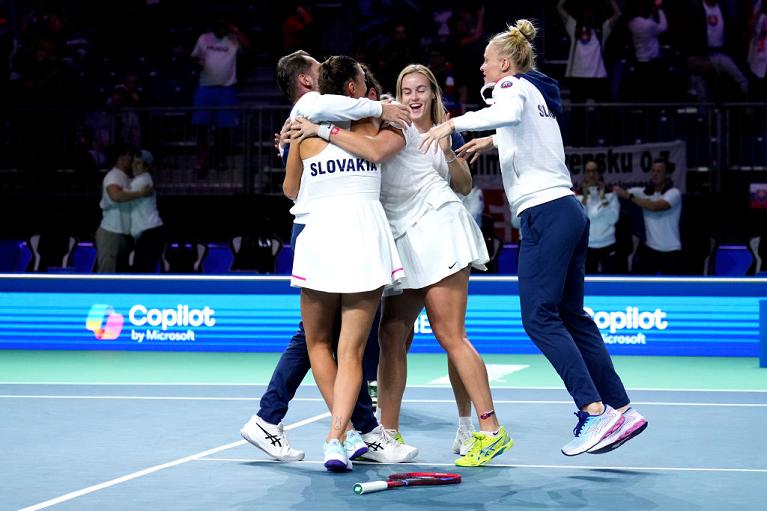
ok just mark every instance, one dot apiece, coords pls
pixel 334 172
pixel 414 182
pixel 346 245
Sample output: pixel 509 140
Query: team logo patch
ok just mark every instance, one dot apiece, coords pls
pixel 506 84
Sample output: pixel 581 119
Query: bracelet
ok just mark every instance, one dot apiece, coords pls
pixel 451 161
pixel 324 131
pixel 487 414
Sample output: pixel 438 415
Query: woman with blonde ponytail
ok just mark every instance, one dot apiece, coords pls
pixel 555 232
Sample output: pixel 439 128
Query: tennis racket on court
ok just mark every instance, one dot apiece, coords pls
pixel 407 479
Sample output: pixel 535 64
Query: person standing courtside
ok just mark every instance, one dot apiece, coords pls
pixel 555 234
pixel 113 239
pixel 661 204
pixel 603 210
pixel 146 224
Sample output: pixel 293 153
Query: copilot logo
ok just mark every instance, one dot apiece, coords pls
pixel 104 322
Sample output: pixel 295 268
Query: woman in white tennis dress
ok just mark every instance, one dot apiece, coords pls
pixel 344 256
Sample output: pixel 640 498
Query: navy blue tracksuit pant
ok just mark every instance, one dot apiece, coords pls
pixel 293 367
pixel 552 256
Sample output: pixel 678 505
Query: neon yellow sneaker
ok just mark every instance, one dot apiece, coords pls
pixel 485 448
pixel 396 436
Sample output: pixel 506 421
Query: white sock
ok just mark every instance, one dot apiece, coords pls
pixel 465 423
pixel 490 433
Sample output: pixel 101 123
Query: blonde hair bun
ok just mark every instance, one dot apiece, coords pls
pixel 527 29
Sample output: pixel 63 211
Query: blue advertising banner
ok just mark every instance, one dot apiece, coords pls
pixel 637 316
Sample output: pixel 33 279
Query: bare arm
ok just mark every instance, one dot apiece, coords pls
pixel 460 175
pixel 648 204
pixel 241 38
pixel 474 147
pixel 119 194
pixel 479 30
pixel 293 171
pixel 616 12
pixel 561 9
pixel 377 149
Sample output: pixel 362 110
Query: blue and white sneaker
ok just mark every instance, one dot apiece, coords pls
pixel 592 429
pixel 354 444
pixel 336 459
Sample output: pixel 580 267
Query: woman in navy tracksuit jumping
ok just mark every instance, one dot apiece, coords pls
pixel 555 232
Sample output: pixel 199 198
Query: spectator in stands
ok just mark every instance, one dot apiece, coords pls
pixel 757 50
pixel 446 78
pixel 661 205
pixel 465 43
pixel 113 240
pixel 588 33
pixel 216 52
pixel 146 224
pixel 124 123
pixel 603 210
pixel 711 42
pixel 398 51
pixel 298 30
pixel 130 88
pixel 647 23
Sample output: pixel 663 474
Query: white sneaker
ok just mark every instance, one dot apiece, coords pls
pixel 271 439
pixel 354 444
pixel 384 449
pixel 463 441
pixel 335 457
pixel 592 429
pixel 633 424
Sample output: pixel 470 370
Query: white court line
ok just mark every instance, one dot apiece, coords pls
pixel 156 468
pixel 205 384
pixel 318 400
pixel 516 465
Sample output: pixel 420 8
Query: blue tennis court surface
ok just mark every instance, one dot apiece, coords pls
pixel 178 447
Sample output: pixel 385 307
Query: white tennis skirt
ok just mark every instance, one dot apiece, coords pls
pixel 346 247
pixel 443 241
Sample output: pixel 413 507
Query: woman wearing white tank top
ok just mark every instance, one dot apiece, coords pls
pixel 343 257
pixel 438 241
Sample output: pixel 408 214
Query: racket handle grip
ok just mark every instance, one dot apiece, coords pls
pixel 370 487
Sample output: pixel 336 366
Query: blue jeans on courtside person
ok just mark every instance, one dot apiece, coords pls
pixel 552 258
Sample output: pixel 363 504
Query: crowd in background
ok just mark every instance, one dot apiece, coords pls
pixel 136 52
pixel 106 56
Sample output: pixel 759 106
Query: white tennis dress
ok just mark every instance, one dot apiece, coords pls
pixel 346 246
pixel 436 236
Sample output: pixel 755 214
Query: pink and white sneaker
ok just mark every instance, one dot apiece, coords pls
pixel 633 424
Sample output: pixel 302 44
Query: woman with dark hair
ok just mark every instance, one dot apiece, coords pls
pixel 344 256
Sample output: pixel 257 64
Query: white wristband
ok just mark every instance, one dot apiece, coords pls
pixel 494 138
pixel 324 131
